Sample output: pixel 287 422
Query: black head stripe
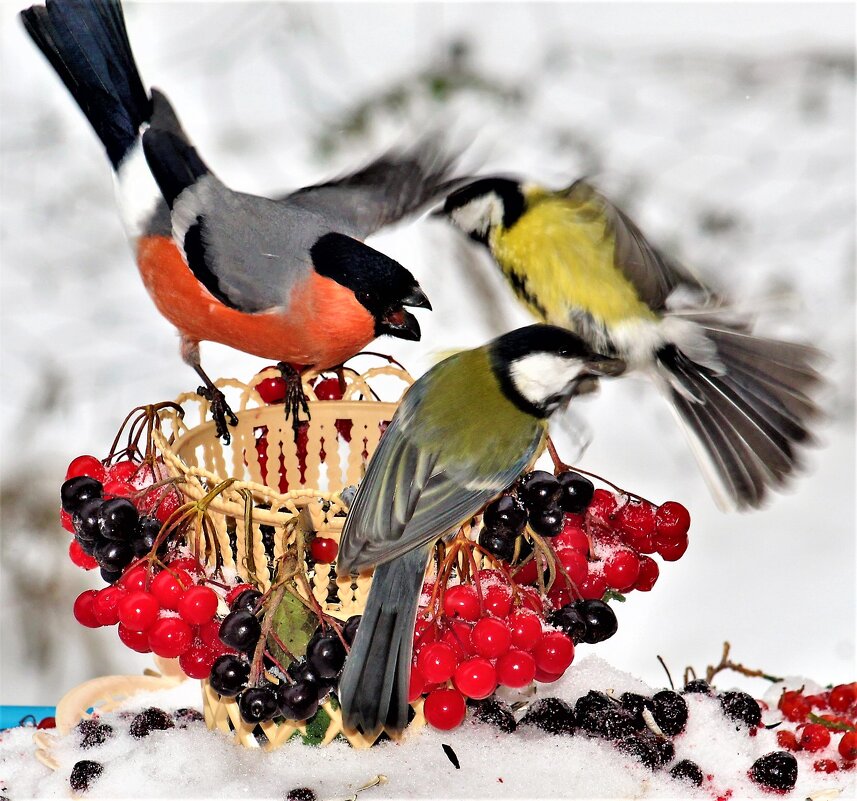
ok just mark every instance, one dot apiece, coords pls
pixel 507 189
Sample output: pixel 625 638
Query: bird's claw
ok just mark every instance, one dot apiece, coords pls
pixel 220 412
pixel 296 400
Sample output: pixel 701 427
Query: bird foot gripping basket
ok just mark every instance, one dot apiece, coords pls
pixel 260 515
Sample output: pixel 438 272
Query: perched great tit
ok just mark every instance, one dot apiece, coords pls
pixel 462 433
pixel 286 279
pixel 577 261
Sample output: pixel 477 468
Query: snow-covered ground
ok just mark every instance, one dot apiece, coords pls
pixel 727 131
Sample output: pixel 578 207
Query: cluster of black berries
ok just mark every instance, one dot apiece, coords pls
pixel 538 498
pixel 309 679
pixel 109 529
pixel 590 621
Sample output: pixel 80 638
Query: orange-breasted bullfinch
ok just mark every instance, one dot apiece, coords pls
pixel 286 279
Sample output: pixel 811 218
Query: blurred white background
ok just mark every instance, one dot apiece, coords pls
pixel 727 131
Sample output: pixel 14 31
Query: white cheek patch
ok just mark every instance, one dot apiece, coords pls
pixel 136 191
pixel 540 376
pixel 479 214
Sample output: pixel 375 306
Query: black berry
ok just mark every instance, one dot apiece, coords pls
pixel 184 716
pixel 496 713
pixel 687 771
pixel 498 543
pixel 635 704
pixel 539 490
pixel 698 686
pixel 147 532
pixel 601 623
pixel 229 674
pixel 118 519
pixel 298 701
pixel 301 671
pixel 110 576
pixel 547 521
pixel 571 621
pixel 301 794
pixel 653 751
pixel 113 556
pixel 551 715
pixel 577 491
pixel 776 771
pixel 149 720
pixel 240 630
pixel 93 733
pixel 599 714
pixel 741 707
pixel 77 491
pixel 326 655
pixel 83 774
pixel 86 520
pixel 505 513
pixel 670 712
pixel 247 600
pixel 257 704
pixel 349 630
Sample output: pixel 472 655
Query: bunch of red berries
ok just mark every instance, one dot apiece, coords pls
pixel 115 513
pixel 473 637
pixel 826 725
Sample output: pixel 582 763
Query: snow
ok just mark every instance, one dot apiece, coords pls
pixel 727 131
pixel 528 764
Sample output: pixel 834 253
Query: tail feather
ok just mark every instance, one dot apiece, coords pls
pixel 748 422
pixel 86 43
pixel 373 690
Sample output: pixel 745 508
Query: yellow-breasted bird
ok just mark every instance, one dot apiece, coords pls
pixel 462 434
pixel 575 260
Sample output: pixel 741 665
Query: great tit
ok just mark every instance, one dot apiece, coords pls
pixel 462 433
pixel 575 260
pixel 286 279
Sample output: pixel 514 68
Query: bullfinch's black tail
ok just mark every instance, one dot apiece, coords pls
pixel 373 690
pixel 748 417
pixel 87 44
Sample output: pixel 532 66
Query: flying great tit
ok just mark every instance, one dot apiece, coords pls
pixel 286 279
pixel 575 260
pixel 462 434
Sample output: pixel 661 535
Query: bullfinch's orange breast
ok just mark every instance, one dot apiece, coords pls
pixel 323 326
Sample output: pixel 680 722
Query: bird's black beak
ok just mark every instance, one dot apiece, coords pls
pixel 440 211
pixel 401 324
pixel 605 365
pixel 416 299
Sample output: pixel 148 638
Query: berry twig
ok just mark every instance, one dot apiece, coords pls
pixel 727 664
pixel 257 662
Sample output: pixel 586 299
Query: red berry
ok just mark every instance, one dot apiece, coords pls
pixel 197 605
pixel 491 638
pixel 272 390
pixel 49 722
pixel 123 471
pixel 118 489
pixel 545 677
pixel 323 550
pixel 649 573
pixel 528 574
pixel 841 697
pixel 526 630
pixel 671 549
pixel 236 591
pixel 83 611
pixel 79 557
pixel 138 610
pixel 134 578
pixel 848 746
pixel 475 678
pixel 416 686
pixel 170 637
pixel 105 606
pixel 516 669
pixel 621 570
pixel 86 466
pixel 196 662
pixel 814 737
pixel 169 588
pixel 436 661
pixel 825 766
pixel 817 701
pixel 328 389
pixel 135 640
pixel 637 522
pixel 163 502
pixel 672 519
pixel 602 507
pixel 66 521
pixel 572 536
pixel 574 562
pixel 425 632
pixel 593 586
pixel 457 637
pixel 554 652
pixel 189 564
pixel 498 601
pixel 461 601
pixel 209 635
pixel 794 706
pixel 560 594
pixel 531 600
pixel 786 739
pixel 444 709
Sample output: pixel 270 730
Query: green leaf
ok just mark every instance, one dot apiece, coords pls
pixel 829 724
pixel 316 727
pixel 612 595
pixel 293 624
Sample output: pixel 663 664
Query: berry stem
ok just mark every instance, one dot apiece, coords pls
pixel 257 663
pixel 727 664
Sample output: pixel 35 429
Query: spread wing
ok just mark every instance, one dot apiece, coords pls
pixel 413 494
pixel 654 275
pixel 393 186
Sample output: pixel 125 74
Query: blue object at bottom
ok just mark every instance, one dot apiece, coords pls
pixel 12 716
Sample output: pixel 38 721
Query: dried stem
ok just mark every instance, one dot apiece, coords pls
pixel 257 664
pixel 727 664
